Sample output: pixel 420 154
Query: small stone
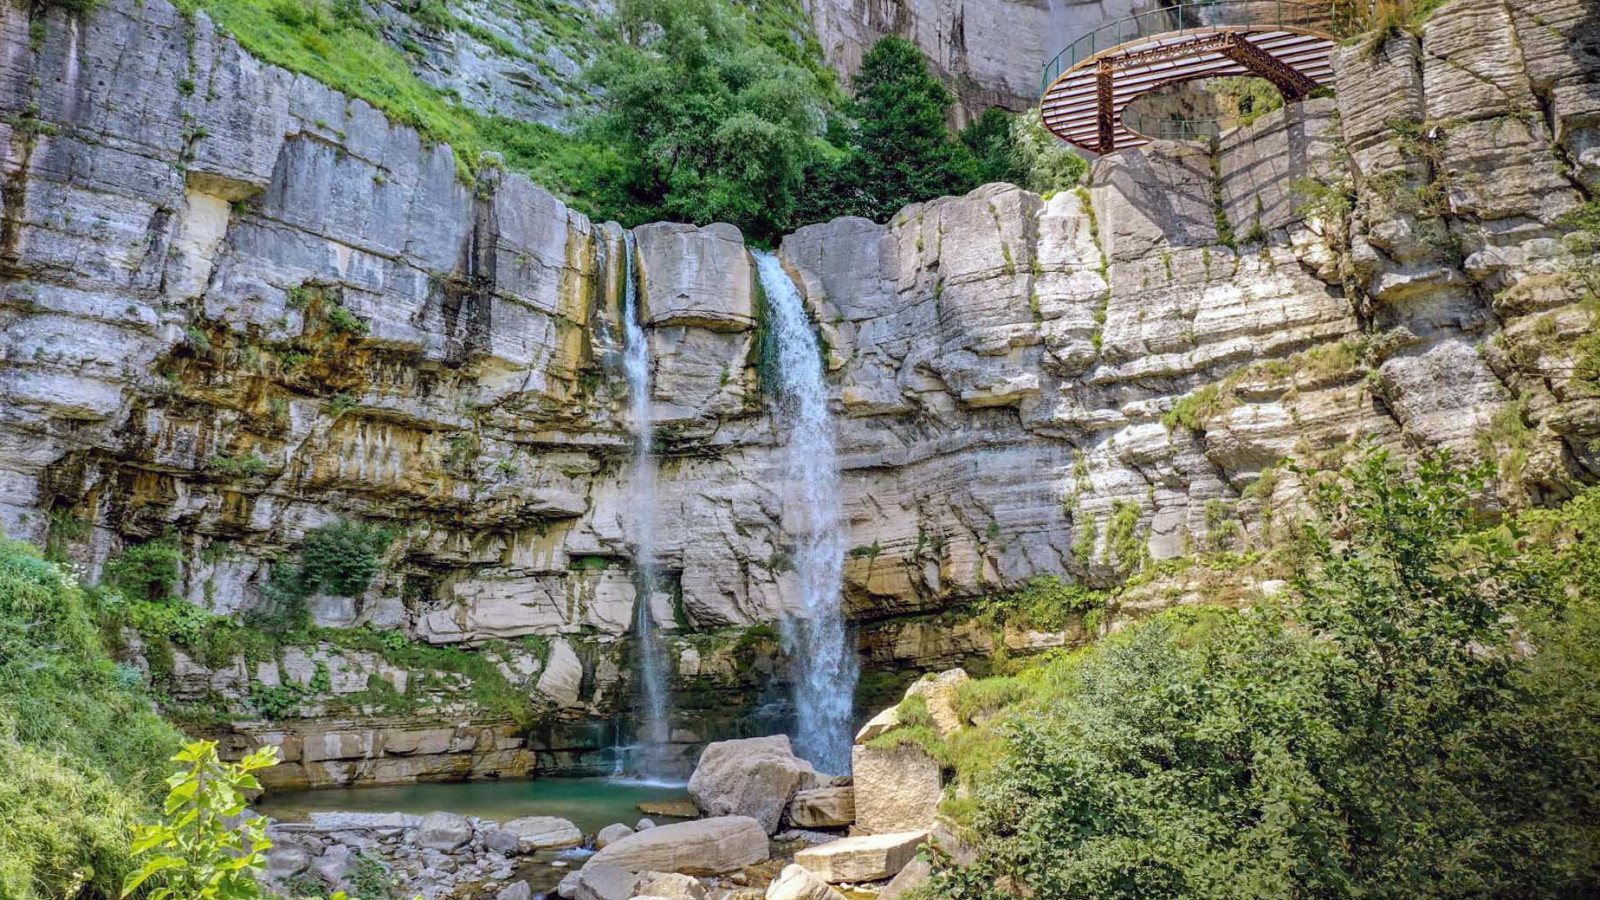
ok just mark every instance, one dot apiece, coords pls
pixel 643 824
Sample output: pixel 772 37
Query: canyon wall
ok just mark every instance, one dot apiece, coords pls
pixel 238 306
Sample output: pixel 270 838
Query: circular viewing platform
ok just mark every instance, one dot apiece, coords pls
pixel 1087 86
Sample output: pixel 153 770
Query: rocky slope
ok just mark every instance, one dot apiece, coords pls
pixel 238 307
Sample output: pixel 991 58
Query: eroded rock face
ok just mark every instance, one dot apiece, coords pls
pixel 171 360
pixel 828 807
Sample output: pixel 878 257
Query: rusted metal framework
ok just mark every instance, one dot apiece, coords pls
pixel 1088 85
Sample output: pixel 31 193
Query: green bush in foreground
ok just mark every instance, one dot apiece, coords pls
pixel 201 850
pixel 82 751
pixel 1418 720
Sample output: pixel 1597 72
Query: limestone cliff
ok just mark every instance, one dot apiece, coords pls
pixel 238 306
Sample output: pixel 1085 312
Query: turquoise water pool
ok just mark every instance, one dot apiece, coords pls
pixel 591 803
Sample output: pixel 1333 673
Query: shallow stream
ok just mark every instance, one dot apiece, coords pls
pixel 591 803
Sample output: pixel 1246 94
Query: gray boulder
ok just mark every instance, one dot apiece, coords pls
pixel 518 890
pixel 798 883
pixel 443 831
pixel 753 777
pixel 602 882
pixel 670 885
pixel 702 847
pixel 544 833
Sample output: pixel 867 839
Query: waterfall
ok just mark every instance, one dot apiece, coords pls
pixel 815 636
pixel 651 715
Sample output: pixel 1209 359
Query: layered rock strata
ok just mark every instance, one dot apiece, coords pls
pixel 238 306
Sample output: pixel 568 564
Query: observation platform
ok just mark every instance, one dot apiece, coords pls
pixel 1087 86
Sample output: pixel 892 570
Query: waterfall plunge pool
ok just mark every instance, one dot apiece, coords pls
pixel 590 803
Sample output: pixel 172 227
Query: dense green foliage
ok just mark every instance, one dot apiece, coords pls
pixel 900 149
pixel 1418 720
pixel 710 124
pixel 82 751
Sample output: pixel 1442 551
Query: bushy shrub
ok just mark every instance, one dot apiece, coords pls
pixel 342 558
pixel 201 850
pixel 82 751
pixel 147 571
pixel 1412 723
pixel 1047 164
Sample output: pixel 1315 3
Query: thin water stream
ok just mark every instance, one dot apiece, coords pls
pixel 816 635
pixel 644 758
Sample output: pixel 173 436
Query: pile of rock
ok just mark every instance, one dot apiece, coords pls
pixel 432 856
pixel 864 831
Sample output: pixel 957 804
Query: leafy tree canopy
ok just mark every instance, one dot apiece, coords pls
pixel 1416 720
pixel 711 125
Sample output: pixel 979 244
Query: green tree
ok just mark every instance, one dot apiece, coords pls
pixel 710 124
pixel 1418 720
pixel 989 140
pixel 903 150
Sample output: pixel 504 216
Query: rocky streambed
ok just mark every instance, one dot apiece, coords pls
pixel 768 825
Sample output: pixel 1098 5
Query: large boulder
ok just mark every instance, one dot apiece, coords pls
pixel 829 807
pixel 544 833
pixel 516 890
pixel 896 789
pixel 752 777
pixel 796 882
pixel 702 847
pixel 599 882
pixel 869 857
pixel 443 831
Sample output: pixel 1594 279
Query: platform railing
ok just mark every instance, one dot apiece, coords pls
pixel 1206 14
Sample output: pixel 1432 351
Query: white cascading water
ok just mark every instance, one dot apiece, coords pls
pixel 651 715
pixel 816 636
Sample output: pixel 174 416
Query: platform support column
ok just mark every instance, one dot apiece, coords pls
pixel 1105 102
